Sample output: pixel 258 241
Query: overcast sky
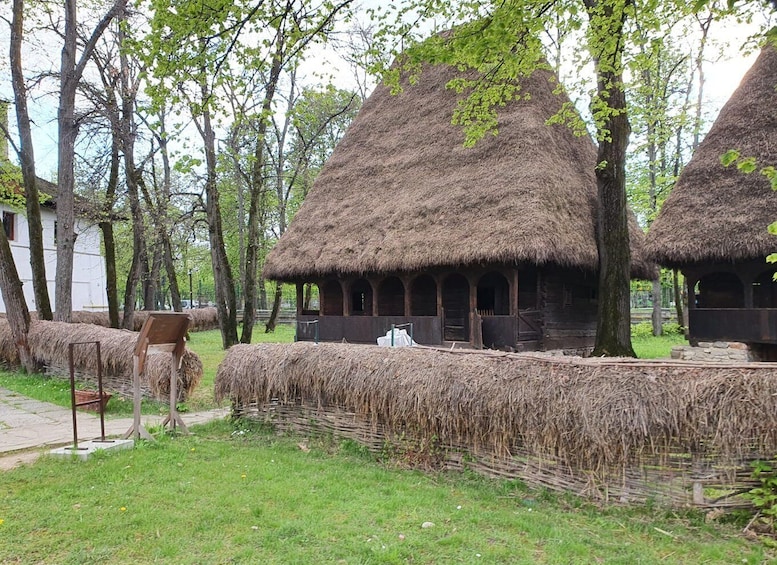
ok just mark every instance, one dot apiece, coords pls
pixel 723 77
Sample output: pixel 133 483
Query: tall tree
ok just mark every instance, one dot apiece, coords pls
pixel 26 155
pixel 71 70
pixel 607 43
pixel 196 50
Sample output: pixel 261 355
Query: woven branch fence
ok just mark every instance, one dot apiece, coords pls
pixel 678 432
pixel 49 345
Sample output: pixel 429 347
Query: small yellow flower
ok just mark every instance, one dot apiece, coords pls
pixel 192 449
pixel 243 476
pixel 1 521
pixel 123 509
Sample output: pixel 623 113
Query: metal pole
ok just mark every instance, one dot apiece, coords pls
pixel 100 391
pixel 191 291
pixel 411 334
pixel 316 324
pixel 392 335
pixel 73 394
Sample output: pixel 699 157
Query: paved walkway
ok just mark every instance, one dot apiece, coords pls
pixel 30 427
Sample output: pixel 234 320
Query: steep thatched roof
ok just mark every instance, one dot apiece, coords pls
pixel 401 193
pixel 717 213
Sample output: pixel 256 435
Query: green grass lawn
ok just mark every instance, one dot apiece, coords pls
pixel 651 347
pixel 241 494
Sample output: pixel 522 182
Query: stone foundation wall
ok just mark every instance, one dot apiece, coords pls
pixel 717 352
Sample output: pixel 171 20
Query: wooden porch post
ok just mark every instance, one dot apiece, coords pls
pixel 407 283
pixel 374 288
pixel 346 289
pixel 515 303
pixel 473 308
pixel 300 297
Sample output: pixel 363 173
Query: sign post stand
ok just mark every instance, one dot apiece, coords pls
pixel 162 332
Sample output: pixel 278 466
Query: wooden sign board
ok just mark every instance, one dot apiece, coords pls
pixel 162 332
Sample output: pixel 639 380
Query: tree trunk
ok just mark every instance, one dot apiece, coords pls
pixel 109 242
pixel 276 307
pixel 15 304
pixel 613 330
pixel 257 190
pixel 133 275
pixel 308 296
pixel 68 130
pixel 27 160
pixel 111 279
pixel 71 70
pixel 262 293
pixel 679 302
pixel 226 302
pixel 655 293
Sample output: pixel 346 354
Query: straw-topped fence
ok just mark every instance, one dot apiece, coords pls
pixel 624 429
pixel 49 345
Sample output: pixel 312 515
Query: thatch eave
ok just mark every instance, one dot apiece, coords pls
pixel 402 194
pixel 718 214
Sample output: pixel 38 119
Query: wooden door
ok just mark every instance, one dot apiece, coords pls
pixel 455 303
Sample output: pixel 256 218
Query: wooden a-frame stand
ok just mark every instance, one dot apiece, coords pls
pixel 163 332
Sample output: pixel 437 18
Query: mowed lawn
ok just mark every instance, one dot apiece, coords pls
pixel 237 492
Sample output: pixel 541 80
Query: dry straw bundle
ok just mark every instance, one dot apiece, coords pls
pixel 201 319
pixel 49 345
pixel 598 418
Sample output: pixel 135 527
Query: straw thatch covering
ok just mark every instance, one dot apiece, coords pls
pixel 401 193
pixel 49 346
pixel 631 429
pixel 200 319
pixel 717 213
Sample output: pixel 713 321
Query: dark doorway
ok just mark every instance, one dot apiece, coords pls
pixel 765 291
pixel 391 297
pixel 423 296
pixel 493 295
pixel 331 298
pixel 361 298
pixel 455 303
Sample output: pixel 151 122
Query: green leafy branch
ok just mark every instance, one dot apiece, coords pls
pixel 749 165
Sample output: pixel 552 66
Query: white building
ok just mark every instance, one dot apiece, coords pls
pixel 88 261
pixel 89 278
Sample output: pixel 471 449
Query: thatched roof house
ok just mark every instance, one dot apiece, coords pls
pixel 714 224
pixel 405 222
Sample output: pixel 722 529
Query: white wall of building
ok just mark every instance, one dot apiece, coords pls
pixel 88 262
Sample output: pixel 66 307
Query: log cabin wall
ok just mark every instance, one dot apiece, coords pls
pixel 568 303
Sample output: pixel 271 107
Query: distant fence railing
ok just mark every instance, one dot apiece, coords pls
pixel 646 315
pixel 284 316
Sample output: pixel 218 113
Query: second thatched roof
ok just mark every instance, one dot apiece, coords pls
pixel 401 193
pixel 717 213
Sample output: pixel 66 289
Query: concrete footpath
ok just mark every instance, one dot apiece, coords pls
pixel 30 428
